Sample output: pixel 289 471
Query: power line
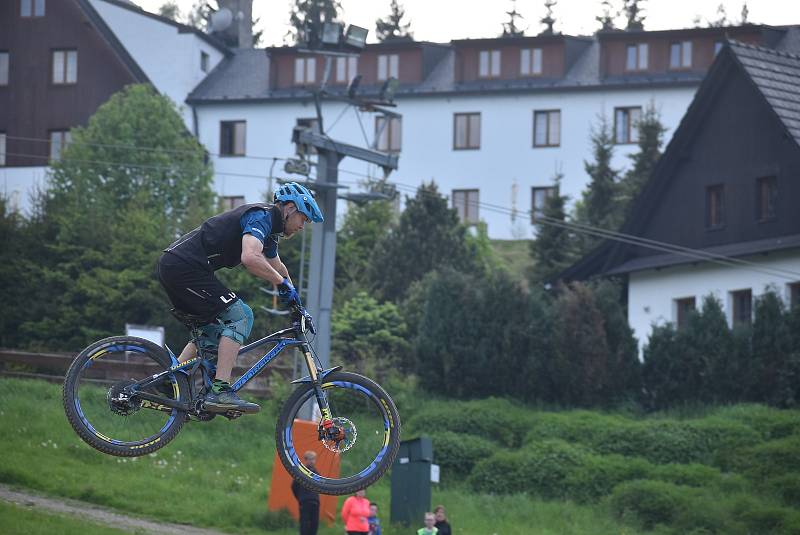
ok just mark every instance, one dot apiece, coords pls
pixel 695 254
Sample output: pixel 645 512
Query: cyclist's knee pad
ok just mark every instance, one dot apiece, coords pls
pixel 236 321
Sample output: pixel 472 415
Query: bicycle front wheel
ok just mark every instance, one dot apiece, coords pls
pixel 100 411
pixel 368 444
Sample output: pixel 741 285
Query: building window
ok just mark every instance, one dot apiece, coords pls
pixel 388 66
pixel 683 308
pixel 680 55
pixel 636 59
pixel 387 133
pixel 59 139
pixel 203 62
pixel 766 197
pixel 794 292
pixel 231 202
pixel 466 131
pixel 626 125
pixel 31 8
pixel 65 66
pixel 742 307
pixel 539 198
pixel 232 136
pixel 715 206
pixel 305 70
pixel 717 47
pixel 489 64
pixel 2 149
pixel 530 61
pixel 346 68
pixel 465 202
pixel 547 128
pixel 4 60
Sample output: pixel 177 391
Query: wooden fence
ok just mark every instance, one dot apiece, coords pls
pixel 53 367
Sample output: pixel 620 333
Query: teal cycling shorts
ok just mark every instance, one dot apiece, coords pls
pixel 235 322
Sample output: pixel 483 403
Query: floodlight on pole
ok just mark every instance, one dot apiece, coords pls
pixel 352 89
pixel 388 90
pixel 331 33
pixel 355 37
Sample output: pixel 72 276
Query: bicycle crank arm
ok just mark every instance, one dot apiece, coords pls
pixel 152 401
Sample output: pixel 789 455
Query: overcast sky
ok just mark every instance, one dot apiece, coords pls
pixel 444 20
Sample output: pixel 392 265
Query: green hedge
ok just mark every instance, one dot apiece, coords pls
pixel 770 459
pixel 708 441
pixel 650 502
pixel 769 422
pixel 457 453
pixel 493 419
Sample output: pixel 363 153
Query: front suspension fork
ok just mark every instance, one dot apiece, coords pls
pixel 327 430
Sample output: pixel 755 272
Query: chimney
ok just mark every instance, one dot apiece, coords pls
pixel 240 32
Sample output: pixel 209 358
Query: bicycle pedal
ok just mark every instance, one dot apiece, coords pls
pixel 232 415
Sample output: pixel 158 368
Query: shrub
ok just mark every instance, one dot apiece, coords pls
pixel 493 419
pixel 650 502
pixel 539 469
pixel 769 459
pixel 787 487
pixel 597 475
pixel 584 427
pixel 457 453
pixel 769 422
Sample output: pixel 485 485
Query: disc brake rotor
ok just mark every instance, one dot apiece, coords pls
pixel 119 402
pixel 346 438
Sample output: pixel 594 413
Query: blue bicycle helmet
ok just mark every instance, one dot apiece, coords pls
pixel 302 198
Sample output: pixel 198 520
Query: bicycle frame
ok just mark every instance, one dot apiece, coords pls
pixel 293 336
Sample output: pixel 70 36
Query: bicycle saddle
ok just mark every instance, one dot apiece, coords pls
pixel 192 321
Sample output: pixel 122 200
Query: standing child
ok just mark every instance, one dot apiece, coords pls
pixel 374 521
pixel 429 528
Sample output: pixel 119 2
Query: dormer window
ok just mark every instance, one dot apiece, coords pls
pixel 489 64
pixel 636 58
pixel 388 66
pixel 680 55
pixel 346 68
pixel 305 70
pixel 530 61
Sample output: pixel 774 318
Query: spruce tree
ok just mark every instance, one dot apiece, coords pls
pixel 651 139
pixel 428 236
pixel 511 28
pixel 772 352
pixel 391 27
pixel 548 20
pixel 633 12
pixel 598 206
pixel 310 15
pixel 552 249
pixel 606 18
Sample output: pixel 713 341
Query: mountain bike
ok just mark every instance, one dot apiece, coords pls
pixel 127 396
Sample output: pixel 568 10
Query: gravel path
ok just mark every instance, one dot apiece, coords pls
pixel 97 514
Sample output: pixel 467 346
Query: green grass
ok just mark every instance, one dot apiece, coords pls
pixel 17 520
pixel 217 475
pixel 515 256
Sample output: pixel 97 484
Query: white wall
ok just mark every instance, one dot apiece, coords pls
pixel 171 60
pixel 651 293
pixel 506 155
pixel 18 184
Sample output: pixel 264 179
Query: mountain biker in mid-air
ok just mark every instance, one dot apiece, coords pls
pixel 246 235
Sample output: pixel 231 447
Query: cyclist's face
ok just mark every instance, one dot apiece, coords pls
pixel 295 222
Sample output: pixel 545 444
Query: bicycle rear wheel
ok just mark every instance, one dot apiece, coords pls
pixel 371 430
pixel 104 416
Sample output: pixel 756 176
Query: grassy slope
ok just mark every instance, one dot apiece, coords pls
pixel 515 256
pixel 217 475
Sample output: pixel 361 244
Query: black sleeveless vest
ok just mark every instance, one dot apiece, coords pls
pixel 218 241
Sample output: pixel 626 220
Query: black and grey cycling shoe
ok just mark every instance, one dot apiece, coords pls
pixel 227 400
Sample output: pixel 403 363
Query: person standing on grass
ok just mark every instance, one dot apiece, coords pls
pixel 430 528
pixel 441 520
pixel 355 514
pixel 374 521
pixel 308 500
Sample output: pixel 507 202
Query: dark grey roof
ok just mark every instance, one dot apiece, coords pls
pixel 728 250
pixel 777 76
pixel 242 75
